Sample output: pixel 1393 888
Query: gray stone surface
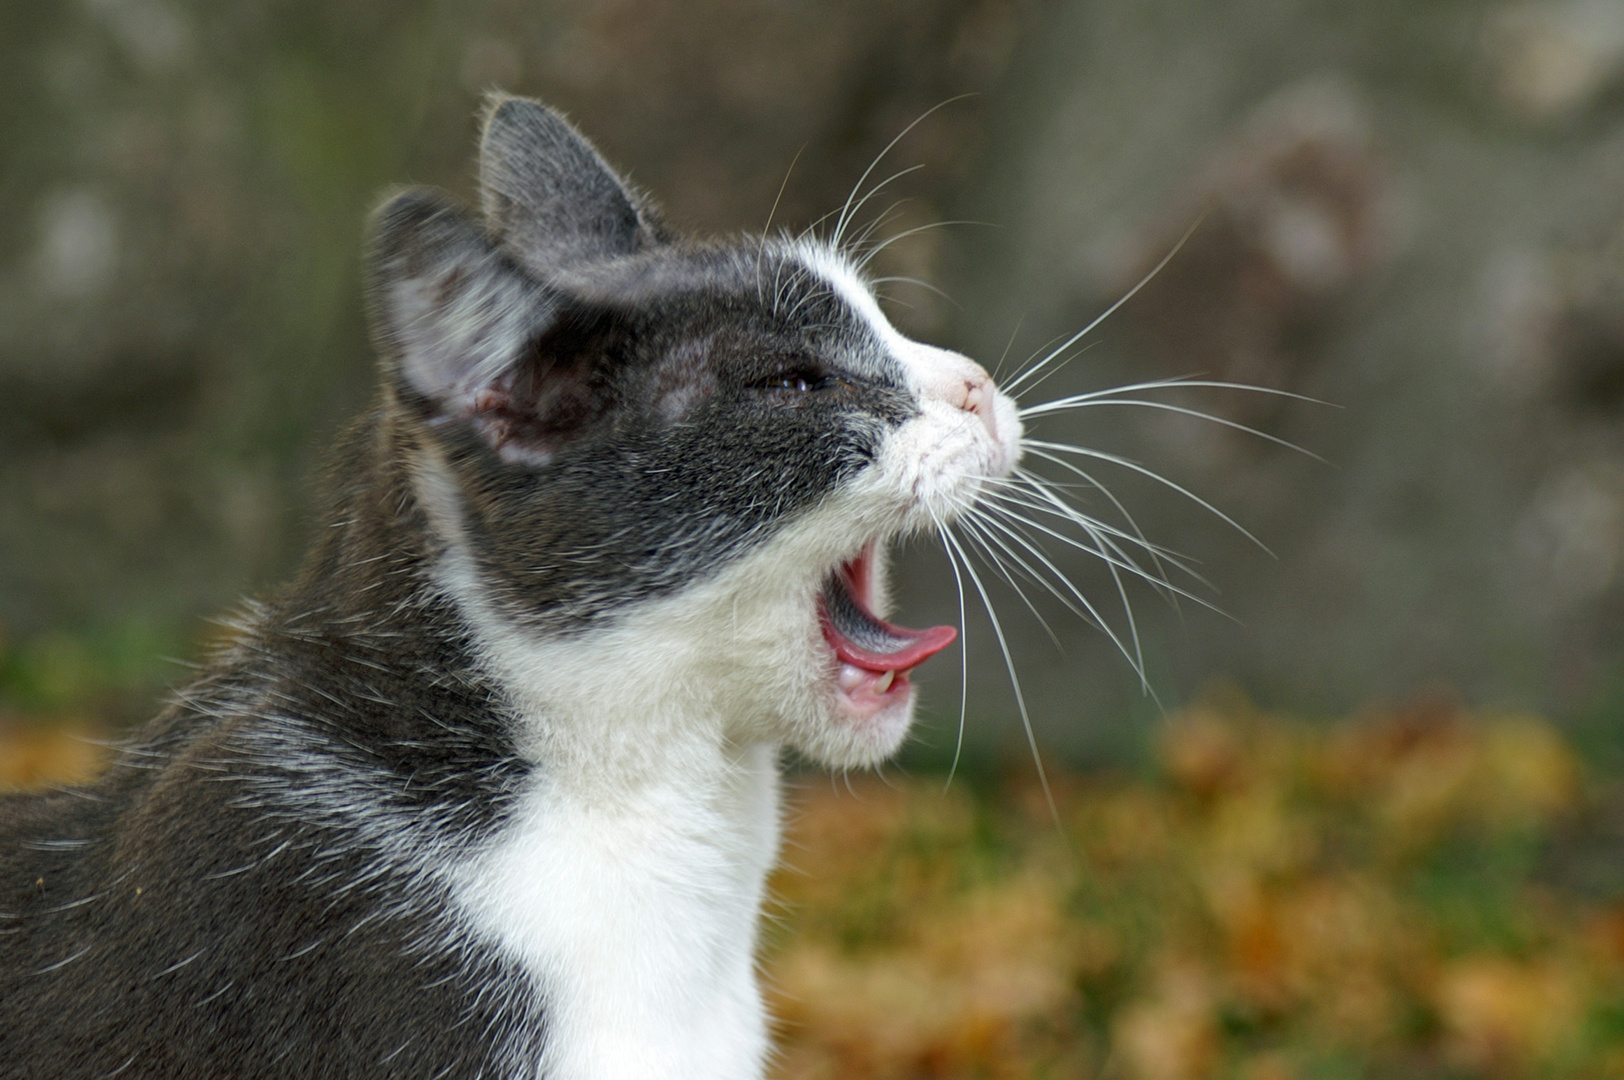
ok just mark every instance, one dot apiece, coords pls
pixel 1411 211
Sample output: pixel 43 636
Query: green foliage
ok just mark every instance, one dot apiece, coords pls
pixel 97 673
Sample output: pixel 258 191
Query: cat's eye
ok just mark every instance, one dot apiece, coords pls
pixel 800 381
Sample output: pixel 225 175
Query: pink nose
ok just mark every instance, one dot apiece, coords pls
pixel 957 381
pixel 975 395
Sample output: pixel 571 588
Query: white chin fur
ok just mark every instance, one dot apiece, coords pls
pixel 861 735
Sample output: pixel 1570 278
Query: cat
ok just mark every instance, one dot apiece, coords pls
pixel 491 789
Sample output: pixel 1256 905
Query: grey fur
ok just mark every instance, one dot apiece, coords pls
pixel 255 889
pixel 549 193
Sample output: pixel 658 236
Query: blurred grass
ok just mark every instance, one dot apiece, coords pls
pixel 62 696
pixel 1421 892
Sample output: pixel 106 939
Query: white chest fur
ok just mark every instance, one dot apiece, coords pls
pixel 636 918
pixel 629 881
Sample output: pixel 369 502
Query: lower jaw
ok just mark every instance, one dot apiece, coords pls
pixel 857 731
pixel 866 697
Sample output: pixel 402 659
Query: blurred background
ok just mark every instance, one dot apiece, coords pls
pixel 1413 212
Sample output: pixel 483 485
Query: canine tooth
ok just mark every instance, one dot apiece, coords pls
pixel 883 683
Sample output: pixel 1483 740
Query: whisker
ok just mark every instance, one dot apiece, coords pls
pixel 861 240
pixel 1119 560
pixel 991 545
pixel 1038 410
pixel 1014 680
pixel 1010 502
pixel 1007 502
pixel 766 229
pixel 964 656
pixel 1101 535
pixel 1165 384
pixel 848 214
pixel 1010 344
pixel 868 256
pixel 1137 659
pixel 1156 552
pixel 848 209
pixel 927 286
pixel 1087 612
pixel 1047 375
pixel 1033 355
pixel 1025 482
pixel 807 297
pixel 978 535
pixel 1029 372
pixel 1127 463
pixel 782 187
pixel 1116 578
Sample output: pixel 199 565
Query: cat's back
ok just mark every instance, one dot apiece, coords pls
pixel 252 881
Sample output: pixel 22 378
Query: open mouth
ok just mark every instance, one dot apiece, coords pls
pixel 874 655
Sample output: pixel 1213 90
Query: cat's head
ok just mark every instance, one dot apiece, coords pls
pixel 666 474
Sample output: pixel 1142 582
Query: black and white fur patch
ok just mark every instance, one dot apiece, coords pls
pixel 490 790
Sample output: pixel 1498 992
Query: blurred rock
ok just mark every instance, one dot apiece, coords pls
pixel 1412 212
pixel 78 248
pixel 1551 60
pixel 1378 237
pixel 1289 216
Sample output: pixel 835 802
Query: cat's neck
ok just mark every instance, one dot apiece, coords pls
pixel 631 705
pixel 639 915
pixel 630 874
pixel 628 702
pixel 376 546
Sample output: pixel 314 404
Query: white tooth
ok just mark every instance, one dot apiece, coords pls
pixel 850 677
pixel 883 683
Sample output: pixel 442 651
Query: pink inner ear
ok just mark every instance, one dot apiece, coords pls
pixel 491 413
pixel 538 404
pixel 490 399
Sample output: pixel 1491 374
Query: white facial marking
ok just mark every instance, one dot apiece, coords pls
pixel 950 386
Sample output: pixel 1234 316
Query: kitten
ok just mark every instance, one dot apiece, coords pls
pixel 490 790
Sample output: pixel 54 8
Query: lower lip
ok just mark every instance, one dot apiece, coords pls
pixel 868 692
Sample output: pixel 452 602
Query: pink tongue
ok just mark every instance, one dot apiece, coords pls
pixel 862 639
pixel 921 646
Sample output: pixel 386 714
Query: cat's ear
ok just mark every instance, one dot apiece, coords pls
pixel 451 311
pixel 548 193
